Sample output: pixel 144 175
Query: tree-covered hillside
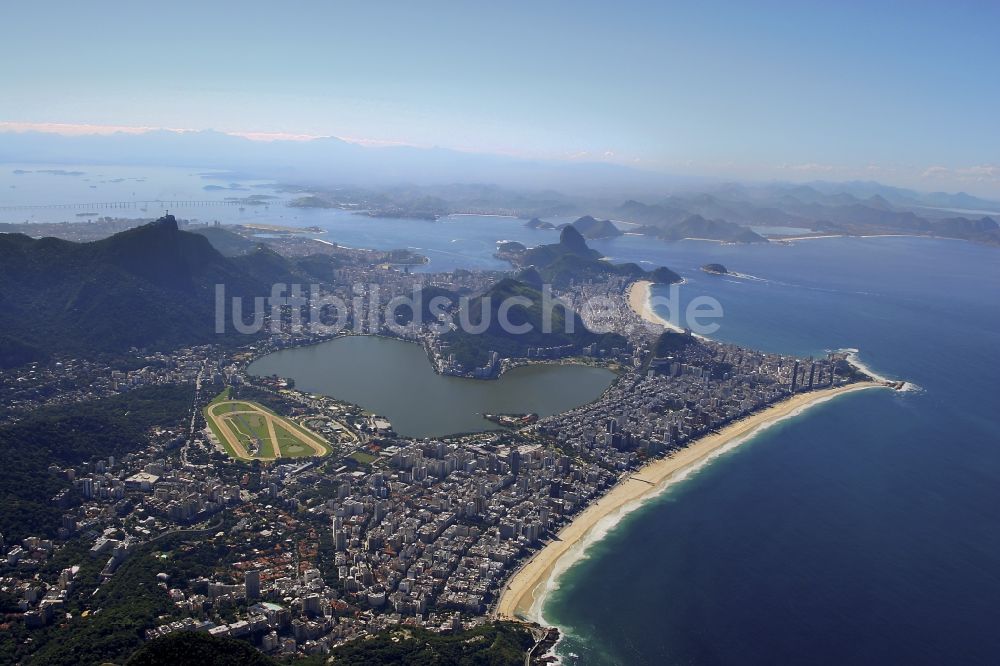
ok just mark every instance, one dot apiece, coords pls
pixel 496 644
pixel 566 328
pixel 152 287
pixel 69 435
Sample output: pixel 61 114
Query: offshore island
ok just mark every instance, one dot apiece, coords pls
pixel 317 522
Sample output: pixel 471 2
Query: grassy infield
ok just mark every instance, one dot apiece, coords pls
pixel 249 427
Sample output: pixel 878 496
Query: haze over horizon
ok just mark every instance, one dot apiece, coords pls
pixel 577 332
pixel 707 90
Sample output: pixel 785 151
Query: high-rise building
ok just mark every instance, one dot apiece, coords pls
pixel 515 461
pixel 251 583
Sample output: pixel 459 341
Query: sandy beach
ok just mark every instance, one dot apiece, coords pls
pixel 525 591
pixel 638 300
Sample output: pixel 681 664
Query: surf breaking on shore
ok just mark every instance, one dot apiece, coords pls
pixel 525 594
pixel 639 299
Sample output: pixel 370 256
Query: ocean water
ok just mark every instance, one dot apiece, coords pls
pixel 34 188
pixel 865 531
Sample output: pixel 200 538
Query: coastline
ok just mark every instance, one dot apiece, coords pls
pixel 525 592
pixel 822 236
pixel 638 299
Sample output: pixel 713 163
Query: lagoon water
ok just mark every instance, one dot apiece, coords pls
pixel 866 531
pixel 394 378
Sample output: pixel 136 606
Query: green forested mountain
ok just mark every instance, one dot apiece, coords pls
pixel 423 300
pixel 472 349
pixel 149 287
pixel 190 648
pixel 495 644
pixel 68 435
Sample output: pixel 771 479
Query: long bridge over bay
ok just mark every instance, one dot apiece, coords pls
pixel 135 204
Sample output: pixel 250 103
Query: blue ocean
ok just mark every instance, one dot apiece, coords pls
pixel 864 531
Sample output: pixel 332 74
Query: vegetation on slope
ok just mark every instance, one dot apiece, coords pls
pixel 187 648
pixel 496 644
pixel 69 435
pixel 566 327
pixel 150 287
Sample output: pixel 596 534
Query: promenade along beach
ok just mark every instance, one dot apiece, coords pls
pixel 524 595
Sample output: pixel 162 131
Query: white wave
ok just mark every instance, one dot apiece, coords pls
pixel 606 524
pixel 552 654
pixel 854 359
pixel 745 276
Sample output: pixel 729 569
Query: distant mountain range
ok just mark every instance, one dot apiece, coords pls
pixel 591 228
pixel 728 211
pixel 656 222
pixel 403 181
pixel 660 223
pixel 319 161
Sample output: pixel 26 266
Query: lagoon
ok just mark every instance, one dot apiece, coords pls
pixel 394 379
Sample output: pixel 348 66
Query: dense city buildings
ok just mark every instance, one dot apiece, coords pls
pixel 386 530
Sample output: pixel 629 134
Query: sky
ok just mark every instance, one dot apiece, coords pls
pixel 907 93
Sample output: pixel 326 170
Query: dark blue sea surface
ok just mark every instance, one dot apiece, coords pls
pixel 865 531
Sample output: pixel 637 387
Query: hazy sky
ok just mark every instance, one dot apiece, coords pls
pixel 905 92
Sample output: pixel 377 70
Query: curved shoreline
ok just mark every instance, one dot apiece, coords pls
pixel 639 293
pixel 525 592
